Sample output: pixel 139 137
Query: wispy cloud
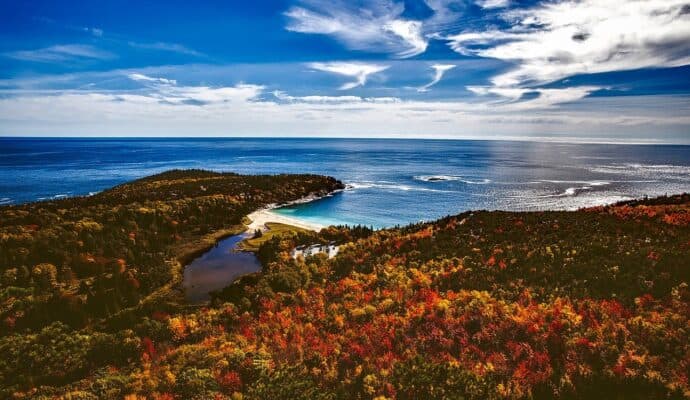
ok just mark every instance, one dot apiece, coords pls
pixel 510 93
pixel 205 95
pixel 144 78
pixel 375 25
pixel 411 33
pixel 168 92
pixel 359 71
pixel 286 98
pixel 439 71
pixel 91 30
pixel 62 53
pixel 97 32
pixel 550 97
pixel 169 47
pixel 492 3
pixel 544 98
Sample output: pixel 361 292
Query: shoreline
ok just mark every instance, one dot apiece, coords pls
pixel 261 217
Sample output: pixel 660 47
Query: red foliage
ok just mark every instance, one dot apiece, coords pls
pixel 160 316
pixel 230 382
pixel 534 370
pixel 148 348
pixel 679 218
pixel 645 300
pixel 10 321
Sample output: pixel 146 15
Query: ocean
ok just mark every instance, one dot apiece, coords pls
pixel 389 182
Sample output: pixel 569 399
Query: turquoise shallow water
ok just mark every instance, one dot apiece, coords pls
pixel 389 181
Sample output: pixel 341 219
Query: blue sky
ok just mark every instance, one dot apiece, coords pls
pixel 586 70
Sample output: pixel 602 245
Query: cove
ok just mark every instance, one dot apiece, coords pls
pixel 217 268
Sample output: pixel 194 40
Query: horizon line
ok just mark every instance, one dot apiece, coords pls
pixel 540 139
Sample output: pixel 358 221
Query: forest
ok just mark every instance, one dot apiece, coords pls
pixel 90 262
pixel 580 304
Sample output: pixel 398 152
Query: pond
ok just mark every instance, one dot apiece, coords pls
pixel 217 268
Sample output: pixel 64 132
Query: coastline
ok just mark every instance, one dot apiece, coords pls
pixel 261 217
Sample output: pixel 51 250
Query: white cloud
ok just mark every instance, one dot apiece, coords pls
pixel 411 33
pixel 465 42
pixel 249 110
pixel 284 97
pixel 550 97
pixel 166 91
pixel 545 98
pixel 513 93
pixel 204 95
pixel 553 41
pixel 359 71
pixel 439 71
pixel 61 54
pixel 375 25
pixel 492 3
pixel 144 78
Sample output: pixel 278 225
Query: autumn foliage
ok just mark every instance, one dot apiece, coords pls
pixel 483 305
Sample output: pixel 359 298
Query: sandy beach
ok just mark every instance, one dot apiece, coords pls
pixel 261 217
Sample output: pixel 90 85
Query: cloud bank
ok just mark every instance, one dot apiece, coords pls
pixel 160 107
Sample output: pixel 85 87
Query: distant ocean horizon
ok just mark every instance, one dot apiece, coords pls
pixel 389 181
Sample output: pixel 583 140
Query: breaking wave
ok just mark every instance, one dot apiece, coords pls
pixel 389 186
pixel 441 178
pixel 573 191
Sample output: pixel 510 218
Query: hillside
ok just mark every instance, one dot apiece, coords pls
pixel 82 258
pixel 482 305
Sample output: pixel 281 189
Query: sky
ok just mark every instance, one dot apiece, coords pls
pixel 564 70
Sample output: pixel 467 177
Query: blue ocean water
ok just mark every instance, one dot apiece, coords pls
pixel 389 181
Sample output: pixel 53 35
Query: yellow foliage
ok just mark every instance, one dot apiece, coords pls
pixel 177 327
pixel 443 305
pixel 370 382
pixel 89 225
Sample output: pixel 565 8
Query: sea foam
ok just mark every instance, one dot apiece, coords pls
pixel 385 185
pixel 441 178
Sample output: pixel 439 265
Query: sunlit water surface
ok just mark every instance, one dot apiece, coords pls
pixel 389 181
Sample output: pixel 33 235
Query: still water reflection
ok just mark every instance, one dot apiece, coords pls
pixel 217 268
